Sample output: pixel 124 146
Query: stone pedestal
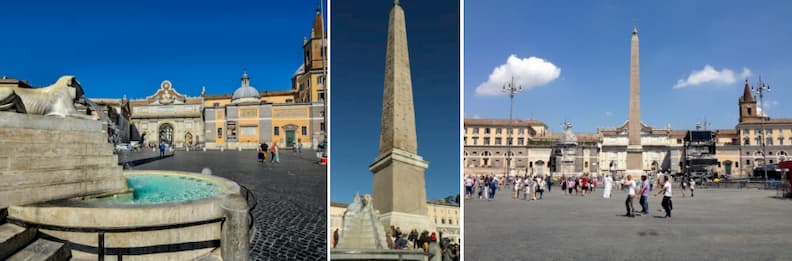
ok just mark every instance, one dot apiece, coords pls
pixel 235 243
pixel 45 158
pixel 407 221
pixel 399 189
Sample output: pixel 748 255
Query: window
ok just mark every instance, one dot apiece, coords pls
pixel 757 132
pixel 769 131
pixel 520 141
pixel 747 141
pixel 249 131
pixel 737 164
pixel 219 133
pixel 320 79
pixel 511 141
pixel 679 141
pixel 781 141
pixel 321 96
pixel 498 131
pixel 486 130
pixel 216 104
pixel 486 141
pixel 322 126
pixel 521 131
pixel 304 131
pixel 758 141
pixel 769 141
pixel 475 140
pixel 749 111
pixel 289 100
pixel 475 131
pixel 277 131
pixel 497 141
pixel 747 162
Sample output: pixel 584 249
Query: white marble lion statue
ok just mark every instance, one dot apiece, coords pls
pixel 55 100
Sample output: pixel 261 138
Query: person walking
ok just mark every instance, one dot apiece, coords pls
pixel 549 180
pixel 644 192
pixel 692 186
pixel 335 238
pixel 274 151
pixel 468 187
pixel 299 146
pixel 606 193
pixel 162 150
pixel 683 183
pixel 628 203
pixel 493 187
pixel 666 191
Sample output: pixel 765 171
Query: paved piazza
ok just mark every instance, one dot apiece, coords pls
pixel 292 198
pixel 718 224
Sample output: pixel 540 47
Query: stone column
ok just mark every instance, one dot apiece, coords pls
pixel 234 241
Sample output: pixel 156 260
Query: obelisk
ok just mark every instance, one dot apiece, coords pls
pixel 399 191
pixel 634 149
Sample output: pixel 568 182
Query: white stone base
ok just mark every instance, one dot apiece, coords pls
pixel 406 222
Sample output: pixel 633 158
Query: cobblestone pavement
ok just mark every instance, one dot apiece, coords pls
pixel 291 216
pixel 718 224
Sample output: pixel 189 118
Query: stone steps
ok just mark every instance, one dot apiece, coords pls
pixel 43 249
pixel 12 238
pixel 55 150
pixel 20 179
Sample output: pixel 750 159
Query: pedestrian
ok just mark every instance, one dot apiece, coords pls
pixel 692 187
pixel 517 185
pixel 335 238
pixel 608 187
pixel 542 185
pixel 570 185
pixel 644 192
pixel 666 191
pixel 299 146
pixel 563 185
pixel 162 150
pixel 683 183
pixel 628 203
pixel 492 188
pixel 468 187
pixel 275 153
pixel 585 184
pixel 413 237
pixel 260 152
pixel 481 187
pixel 549 183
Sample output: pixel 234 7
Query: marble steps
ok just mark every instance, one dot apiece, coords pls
pixel 13 238
pixel 43 249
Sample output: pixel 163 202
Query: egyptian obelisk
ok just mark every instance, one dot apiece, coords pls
pixel 399 187
pixel 634 149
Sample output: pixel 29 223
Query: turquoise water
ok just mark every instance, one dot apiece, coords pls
pixel 153 189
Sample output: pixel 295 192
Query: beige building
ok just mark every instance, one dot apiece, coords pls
pixel 756 129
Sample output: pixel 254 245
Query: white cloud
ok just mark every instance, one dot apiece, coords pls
pixel 527 72
pixel 608 114
pixel 709 75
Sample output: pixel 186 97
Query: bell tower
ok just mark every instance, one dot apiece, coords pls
pixel 748 105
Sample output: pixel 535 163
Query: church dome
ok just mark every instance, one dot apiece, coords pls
pixel 245 92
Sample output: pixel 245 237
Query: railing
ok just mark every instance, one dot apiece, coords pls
pixel 100 250
pixel 249 195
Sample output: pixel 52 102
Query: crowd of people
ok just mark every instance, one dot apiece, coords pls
pixel 396 239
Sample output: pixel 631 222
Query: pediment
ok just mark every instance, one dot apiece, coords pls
pixel 166 94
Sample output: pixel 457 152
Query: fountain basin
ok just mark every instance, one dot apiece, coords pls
pixel 157 198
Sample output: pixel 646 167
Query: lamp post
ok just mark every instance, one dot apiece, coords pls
pixel 511 89
pixel 760 90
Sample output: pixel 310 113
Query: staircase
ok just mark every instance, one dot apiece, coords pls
pixel 19 243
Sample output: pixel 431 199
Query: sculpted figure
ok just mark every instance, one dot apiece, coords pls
pixel 57 99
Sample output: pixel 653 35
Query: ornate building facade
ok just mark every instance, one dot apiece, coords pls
pixel 240 120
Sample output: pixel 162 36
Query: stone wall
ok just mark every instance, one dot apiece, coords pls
pixel 45 158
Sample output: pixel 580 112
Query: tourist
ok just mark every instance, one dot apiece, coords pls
pixel 299 146
pixel 493 186
pixel 608 186
pixel 468 187
pixel 275 153
pixel 585 184
pixel 570 185
pixel 413 237
pixel 335 238
pixel 549 183
pixel 481 187
pixel 563 185
pixel 517 185
pixel 542 185
pixel 628 203
pixel 666 191
pixel 644 192
pixel 527 185
pixel 260 152
pixel 683 183
pixel 692 186
pixel 265 150
pixel 162 150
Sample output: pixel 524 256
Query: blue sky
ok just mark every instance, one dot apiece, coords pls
pixel 589 42
pixel 358 40
pixel 116 48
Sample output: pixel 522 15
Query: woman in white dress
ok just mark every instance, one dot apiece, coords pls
pixel 608 186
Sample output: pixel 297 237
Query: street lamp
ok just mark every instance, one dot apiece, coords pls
pixel 511 89
pixel 760 90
